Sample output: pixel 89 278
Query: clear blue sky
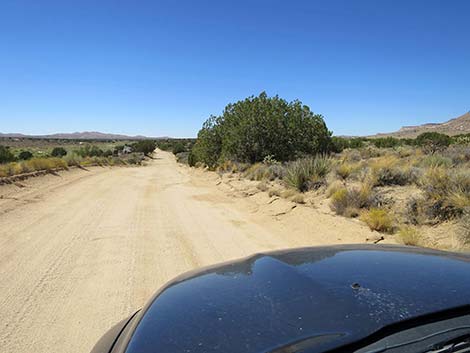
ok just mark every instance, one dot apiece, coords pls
pixel 162 67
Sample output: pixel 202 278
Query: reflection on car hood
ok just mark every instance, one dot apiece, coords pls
pixel 318 297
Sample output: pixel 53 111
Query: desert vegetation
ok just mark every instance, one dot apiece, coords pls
pixel 409 188
pixel 20 156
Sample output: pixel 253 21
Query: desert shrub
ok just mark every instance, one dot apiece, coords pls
pixel 333 187
pixel 89 151
pixel 144 146
pixel 463 139
pixel 344 170
pixel 458 191
pixel 386 142
pixel 339 144
pixel 182 157
pixel 409 236
pixel 58 152
pixel 458 154
pixel 25 155
pixel 178 147
pixel 293 195
pixel 251 129
pixel 387 170
pixel 464 228
pixel 348 201
pixel 46 163
pixel 432 142
pixel 261 171
pixel 257 171
pixel 72 160
pixel 436 160
pixel 6 155
pixel 396 176
pixel 356 142
pixel 307 173
pixel 299 198
pixel 371 152
pixel 34 164
pixel 262 186
pixel 275 192
pixel 446 192
pixel 351 155
pixel 378 219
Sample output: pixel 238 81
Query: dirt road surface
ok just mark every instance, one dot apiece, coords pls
pixel 80 251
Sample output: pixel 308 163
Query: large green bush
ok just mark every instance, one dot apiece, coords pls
pixel 256 127
pixel 432 142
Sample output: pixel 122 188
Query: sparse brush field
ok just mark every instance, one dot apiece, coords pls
pixel 401 191
pixel 27 155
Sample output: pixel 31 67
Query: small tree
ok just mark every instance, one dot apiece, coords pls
pixel 58 152
pixel 6 155
pixel 25 155
pixel 432 142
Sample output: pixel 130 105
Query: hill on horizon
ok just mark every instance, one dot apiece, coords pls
pixel 456 126
pixel 85 135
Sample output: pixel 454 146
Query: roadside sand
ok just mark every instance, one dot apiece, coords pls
pixel 81 250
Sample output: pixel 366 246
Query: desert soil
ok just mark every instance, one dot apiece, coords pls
pixel 81 250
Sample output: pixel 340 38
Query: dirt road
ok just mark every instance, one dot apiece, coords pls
pixel 81 251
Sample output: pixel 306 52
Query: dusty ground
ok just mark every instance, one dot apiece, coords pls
pixel 84 249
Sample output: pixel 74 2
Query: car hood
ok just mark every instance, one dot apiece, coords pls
pixel 311 299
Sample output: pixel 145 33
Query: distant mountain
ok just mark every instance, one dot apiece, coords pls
pixel 456 126
pixel 86 135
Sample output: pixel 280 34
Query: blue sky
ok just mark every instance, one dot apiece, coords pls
pixel 162 67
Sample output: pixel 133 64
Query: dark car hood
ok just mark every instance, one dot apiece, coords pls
pixel 313 297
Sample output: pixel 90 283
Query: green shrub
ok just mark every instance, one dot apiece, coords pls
pixel 89 151
pixel 25 155
pixel 432 142
pixel 378 219
pixel 144 146
pixel 307 173
pixel 58 152
pixel 178 147
pixel 386 142
pixel 251 129
pixel 6 155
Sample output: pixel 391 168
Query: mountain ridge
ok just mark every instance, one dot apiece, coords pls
pixel 84 135
pixel 455 126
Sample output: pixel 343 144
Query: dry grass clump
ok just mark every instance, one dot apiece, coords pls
pixel 378 219
pixel 348 201
pixel 32 165
pixel 274 192
pixel 436 160
pixel 293 196
pixel 464 228
pixel 345 170
pixel 228 166
pixel 390 170
pixel 409 236
pixel 333 187
pixel 446 192
pixel 262 186
pixel 262 171
pixel 307 173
